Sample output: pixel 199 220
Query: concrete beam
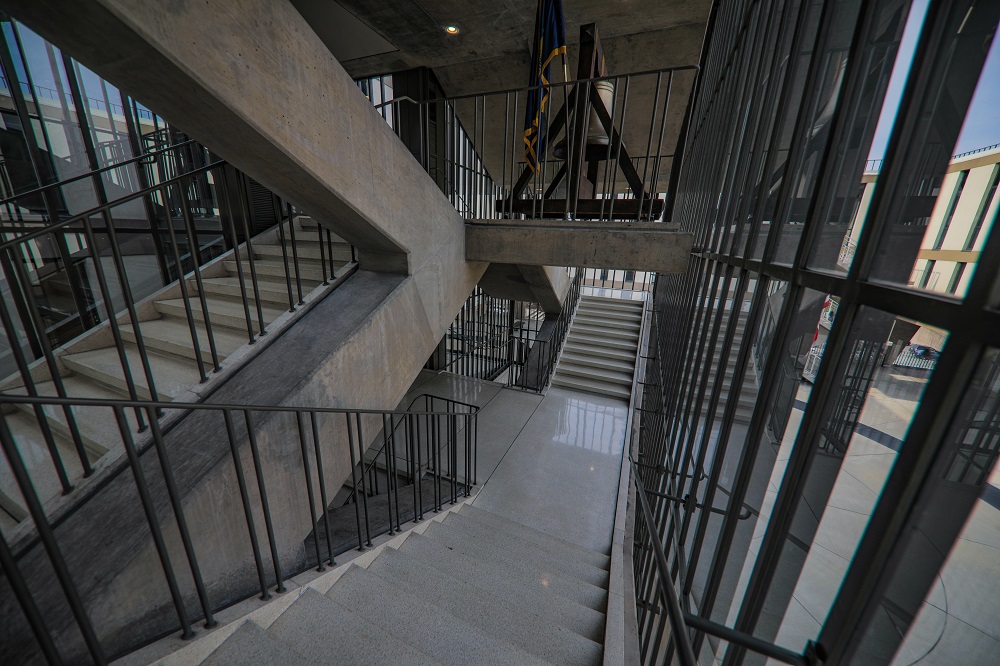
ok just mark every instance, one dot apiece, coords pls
pixel 545 285
pixel 638 246
pixel 252 81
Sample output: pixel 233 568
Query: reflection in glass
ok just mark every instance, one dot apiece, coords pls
pixel 951 616
pixel 863 424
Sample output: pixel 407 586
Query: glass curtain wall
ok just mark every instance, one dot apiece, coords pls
pixel 71 142
pixel 810 492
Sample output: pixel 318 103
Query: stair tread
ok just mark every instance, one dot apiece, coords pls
pixel 588 350
pixel 270 290
pixel 251 644
pixel 497 521
pixel 619 365
pixel 35 454
pixel 174 336
pixel 577 383
pixel 218 305
pixel 412 619
pixel 570 367
pixel 97 425
pixel 172 374
pixel 503 583
pixel 520 626
pixel 521 549
pixel 321 630
pixel 586 339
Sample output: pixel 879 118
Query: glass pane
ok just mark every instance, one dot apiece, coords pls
pixel 842 216
pixel 936 232
pixel 863 424
pixel 951 614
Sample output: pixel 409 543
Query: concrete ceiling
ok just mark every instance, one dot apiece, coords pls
pixel 492 52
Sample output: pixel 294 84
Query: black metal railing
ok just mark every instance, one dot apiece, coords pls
pixel 207 216
pixel 658 604
pixel 619 279
pixel 605 153
pixel 535 361
pixel 432 451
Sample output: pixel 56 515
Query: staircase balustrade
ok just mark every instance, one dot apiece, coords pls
pixel 474 145
pixel 80 282
pixel 433 443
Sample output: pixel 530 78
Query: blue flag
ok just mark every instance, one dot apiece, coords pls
pixel 550 41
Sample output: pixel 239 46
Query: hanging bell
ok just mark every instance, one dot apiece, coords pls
pixel 597 138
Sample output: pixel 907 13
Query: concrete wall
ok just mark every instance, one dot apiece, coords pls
pixel 639 246
pixel 251 81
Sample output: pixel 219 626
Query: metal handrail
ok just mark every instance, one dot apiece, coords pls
pixel 96 172
pixel 444 443
pixel 674 614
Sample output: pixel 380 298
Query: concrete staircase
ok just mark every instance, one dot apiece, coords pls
pixel 600 351
pixel 90 367
pixel 475 588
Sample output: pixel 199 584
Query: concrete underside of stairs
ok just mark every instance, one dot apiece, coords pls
pixel 352 349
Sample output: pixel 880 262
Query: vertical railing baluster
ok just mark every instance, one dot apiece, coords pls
pixel 354 479
pixel 284 252
pixel 152 521
pixel 265 506
pixel 233 208
pixel 309 488
pixel 241 482
pixel 182 284
pixel 320 473
pixel 50 361
pixel 295 253
pixel 192 234
pixel 31 390
pixel 243 195
pixel 178 509
pixel 47 538
pixel 16 581
pixel 364 493
pixel 322 251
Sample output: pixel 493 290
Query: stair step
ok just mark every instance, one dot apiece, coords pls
pixel 498 522
pixel 250 644
pixel 222 311
pixel 500 583
pixel 520 626
pixel 306 249
pixel 576 383
pixel 611 303
pixel 595 321
pixel 610 353
pixel 583 593
pixel 98 426
pixel 586 338
pixel 618 314
pixel 599 362
pixel 607 332
pixel 413 620
pixel 35 455
pixel 309 224
pixel 171 374
pixel 271 291
pixel 172 335
pixel 595 373
pixel 522 549
pixel 311 271
pixel 326 632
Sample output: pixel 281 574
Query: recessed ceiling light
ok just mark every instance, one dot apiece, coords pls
pixel 451 29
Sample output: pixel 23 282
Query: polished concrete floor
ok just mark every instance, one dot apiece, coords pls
pixel 550 462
